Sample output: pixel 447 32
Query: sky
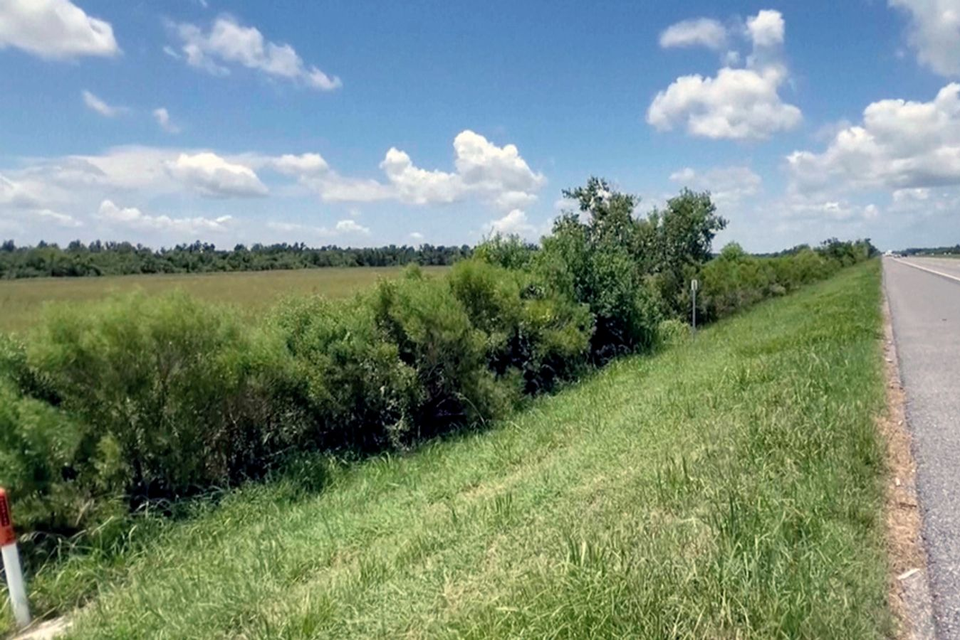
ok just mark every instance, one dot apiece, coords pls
pixel 365 123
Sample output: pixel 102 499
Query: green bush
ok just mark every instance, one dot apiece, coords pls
pixel 595 270
pixel 433 334
pixel 527 329
pixel 356 390
pixel 188 394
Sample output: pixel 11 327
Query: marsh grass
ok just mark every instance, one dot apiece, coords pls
pixel 728 487
pixel 22 301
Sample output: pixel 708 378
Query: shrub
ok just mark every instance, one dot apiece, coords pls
pixel 594 270
pixel 356 390
pixel 433 335
pixel 60 478
pixel 527 329
pixel 510 252
pixel 187 393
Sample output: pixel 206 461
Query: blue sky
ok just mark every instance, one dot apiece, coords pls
pixel 368 123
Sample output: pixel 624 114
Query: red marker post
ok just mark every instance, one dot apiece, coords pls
pixel 11 564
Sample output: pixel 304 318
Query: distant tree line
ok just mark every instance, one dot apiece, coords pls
pixel 123 258
pixel 932 251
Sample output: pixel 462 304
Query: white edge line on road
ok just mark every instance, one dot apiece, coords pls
pixel 939 273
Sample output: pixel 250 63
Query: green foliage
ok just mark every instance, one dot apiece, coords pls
pixel 595 262
pixel 110 407
pixel 356 390
pixel 735 280
pixel 732 488
pixel 527 328
pixel 434 336
pixel 137 399
pixel 510 252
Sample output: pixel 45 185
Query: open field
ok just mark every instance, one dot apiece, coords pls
pixel 728 487
pixel 22 300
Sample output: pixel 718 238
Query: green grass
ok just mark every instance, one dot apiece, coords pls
pixel 21 301
pixel 728 487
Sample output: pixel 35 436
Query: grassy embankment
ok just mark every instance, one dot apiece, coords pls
pixel 21 301
pixel 727 487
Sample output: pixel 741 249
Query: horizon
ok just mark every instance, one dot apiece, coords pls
pixel 366 125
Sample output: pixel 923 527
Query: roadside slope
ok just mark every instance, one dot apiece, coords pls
pixel 728 486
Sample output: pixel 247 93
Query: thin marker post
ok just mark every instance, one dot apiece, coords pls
pixel 11 564
pixel 694 285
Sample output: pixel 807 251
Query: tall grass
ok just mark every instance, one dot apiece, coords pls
pixel 727 487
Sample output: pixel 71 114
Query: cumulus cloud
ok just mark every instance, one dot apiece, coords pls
pixel 934 33
pixel 162 116
pixel 213 176
pixel 738 103
pixel 899 145
pixel 702 32
pixel 417 236
pixel 483 170
pixel 416 185
pixel 96 104
pixel 514 223
pixel 766 29
pixel 54 29
pixel 230 43
pixel 132 217
pixel 728 186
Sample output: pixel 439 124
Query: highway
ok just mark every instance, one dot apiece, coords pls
pixel 925 309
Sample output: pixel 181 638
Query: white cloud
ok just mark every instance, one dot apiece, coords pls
pixel 703 32
pixel 899 145
pixel 416 235
pixel 162 116
pixel 306 164
pixel 728 186
pixel 766 29
pixel 485 171
pixel 213 176
pixel 54 29
pixel 484 165
pixel 419 186
pixel 134 218
pixel 738 103
pixel 96 104
pixel 228 42
pixel 934 33
pixel 514 223
pixel 351 226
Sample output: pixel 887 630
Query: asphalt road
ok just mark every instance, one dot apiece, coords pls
pixel 926 323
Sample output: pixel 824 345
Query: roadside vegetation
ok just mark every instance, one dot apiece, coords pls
pixel 728 486
pixel 113 414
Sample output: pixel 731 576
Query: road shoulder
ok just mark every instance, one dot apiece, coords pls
pixel 909 592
